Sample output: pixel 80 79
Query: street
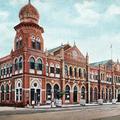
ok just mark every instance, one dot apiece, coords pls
pixel 75 113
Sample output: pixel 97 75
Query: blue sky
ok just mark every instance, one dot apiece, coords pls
pixel 93 24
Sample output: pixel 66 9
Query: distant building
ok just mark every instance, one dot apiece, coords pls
pixel 30 74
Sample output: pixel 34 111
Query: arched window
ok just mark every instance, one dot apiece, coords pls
pixel 67 92
pixel 33 41
pixel 16 44
pixel 83 92
pixel 32 63
pixel 20 42
pixel 71 72
pixel 16 64
pixel 66 70
pixel 39 64
pixel 2 92
pixel 84 72
pixel 38 45
pixel 48 92
pixel 18 91
pixel 75 72
pixel 80 72
pixel 7 92
pixel 20 63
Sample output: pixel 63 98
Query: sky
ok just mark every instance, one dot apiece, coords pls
pixel 93 24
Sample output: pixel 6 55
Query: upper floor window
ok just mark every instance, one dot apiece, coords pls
pixel 16 64
pixel 47 68
pixel 75 72
pixel 80 72
pixel 33 41
pixel 39 64
pixel 38 46
pixel 20 63
pixel 71 72
pixel 11 69
pixel 36 43
pixel 32 63
pixel 57 70
pixel 84 72
pixel 66 69
pixel 18 42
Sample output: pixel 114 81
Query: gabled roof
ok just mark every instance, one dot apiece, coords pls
pixel 101 63
pixel 58 48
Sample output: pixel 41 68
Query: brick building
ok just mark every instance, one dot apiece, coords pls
pixel 30 73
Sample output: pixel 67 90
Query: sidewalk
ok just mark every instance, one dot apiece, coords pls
pixel 45 107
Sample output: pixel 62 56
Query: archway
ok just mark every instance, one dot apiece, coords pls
pixel 83 92
pixel 75 94
pixel 95 94
pixel 91 94
pixel 56 90
pixel 48 92
pixel 35 92
pixel 118 95
pixel 110 95
pixel 67 92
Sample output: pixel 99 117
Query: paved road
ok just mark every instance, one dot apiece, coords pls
pixel 77 113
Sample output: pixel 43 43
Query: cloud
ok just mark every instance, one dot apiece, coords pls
pixel 87 15
pixel 16 2
pixel 113 10
pixel 4 15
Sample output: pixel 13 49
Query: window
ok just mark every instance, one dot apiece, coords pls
pixel 33 44
pixel 2 92
pixel 10 69
pixel 33 41
pixel 71 72
pixel 7 70
pixel 84 73
pixel 47 68
pixel 4 71
pixel 80 72
pixel 16 64
pixel 75 72
pixel 51 69
pixel 57 70
pixel 7 92
pixel 20 43
pixel 39 64
pixel 32 63
pixel 19 92
pixel 66 69
pixel 38 45
pixel 16 44
pixel 20 63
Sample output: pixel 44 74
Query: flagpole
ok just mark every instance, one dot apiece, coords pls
pixel 111 51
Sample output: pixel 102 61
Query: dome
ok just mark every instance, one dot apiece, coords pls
pixel 29 13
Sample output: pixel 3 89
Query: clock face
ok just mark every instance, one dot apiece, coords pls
pixel 74 54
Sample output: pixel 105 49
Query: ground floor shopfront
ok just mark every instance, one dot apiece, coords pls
pixel 36 94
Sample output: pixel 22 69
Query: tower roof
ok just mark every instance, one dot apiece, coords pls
pixel 29 13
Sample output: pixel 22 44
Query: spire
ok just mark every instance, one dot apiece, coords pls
pixel 74 43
